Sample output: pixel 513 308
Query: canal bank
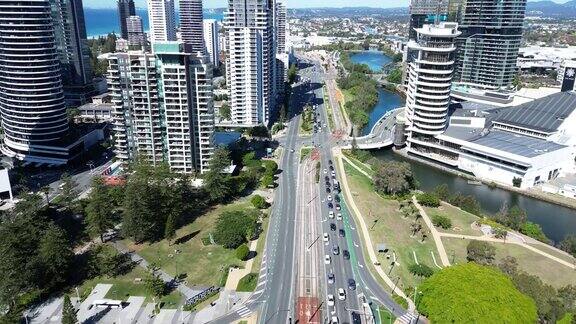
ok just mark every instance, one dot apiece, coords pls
pixel 556 220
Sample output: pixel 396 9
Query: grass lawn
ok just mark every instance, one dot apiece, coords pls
pixel 248 282
pixel 461 220
pixel 304 153
pixel 203 265
pixel 260 245
pixel 386 317
pixel 362 166
pixel 328 107
pixel 390 228
pixel 125 286
pixel 546 269
pixel 553 251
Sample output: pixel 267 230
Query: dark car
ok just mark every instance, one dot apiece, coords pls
pixel 335 250
pixel 351 284
pixel 330 162
pixel 330 205
pixel 327 190
pixel 337 206
pixel 330 278
pixel 346 254
pixel 356 318
pixel 332 226
pixel 331 167
pixel 328 184
pixel 341 233
pixel 326 178
pixel 337 198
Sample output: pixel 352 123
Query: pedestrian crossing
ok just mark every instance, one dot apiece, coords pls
pixel 407 318
pixel 243 311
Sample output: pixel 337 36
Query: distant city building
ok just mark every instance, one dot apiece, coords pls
pixel 191 27
pixel 281 59
pixel 211 33
pixel 429 80
pixel 126 9
pixel 136 36
pixel 99 110
pixel 566 75
pixel 250 60
pixel 73 51
pixel 426 12
pixel 173 122
pixel 162 20
pixel 488 47
pixel 122 45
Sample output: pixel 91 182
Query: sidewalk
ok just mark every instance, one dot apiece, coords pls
pixel 435 234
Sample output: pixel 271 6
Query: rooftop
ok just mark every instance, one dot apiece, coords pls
pixel 520 145
pixel 545 114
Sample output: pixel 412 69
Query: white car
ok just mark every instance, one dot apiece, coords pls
pixel 329 198
pixel 341 294
pixel 330 300
pixel 325 171
pixel 326 237
pixel 334 320
pixel 333 173
pixel 331 214
pixel 327 260
pixel 338 216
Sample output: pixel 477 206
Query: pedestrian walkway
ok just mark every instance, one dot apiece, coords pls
pixel 434 232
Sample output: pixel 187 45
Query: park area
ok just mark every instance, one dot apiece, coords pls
pixel 389 226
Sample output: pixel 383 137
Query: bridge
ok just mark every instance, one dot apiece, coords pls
pixel 381 135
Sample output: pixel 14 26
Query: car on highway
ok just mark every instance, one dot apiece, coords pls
pixel 331 278
pixel 330 162
pixel 326 237
pixel 333 173
pixel 334 320
pixel 330 205
pixel 338 207
pixel 351 284
pixel 327 259
pixel 329 198
pixel 328 184
pixel 327 189
pixel 337 198
pixel 325 171
pixel 332 227
pixel 330 300
pixel 341 233
pixel 346 254
pixel 326 178
pixel 339 216
pixel 335 250
pixel 356 318
pixel 341 294
pixel 331 167
pixel 331 214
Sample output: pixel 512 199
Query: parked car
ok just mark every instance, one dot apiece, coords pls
pixel 327 259
pixel 332 227
pixel 346 254
pixel 331 278
pixel 351 284
pixel 341 233
pixel 330 300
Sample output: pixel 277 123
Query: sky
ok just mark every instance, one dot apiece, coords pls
pixel 291 3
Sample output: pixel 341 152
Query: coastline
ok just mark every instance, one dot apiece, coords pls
pixel 539 195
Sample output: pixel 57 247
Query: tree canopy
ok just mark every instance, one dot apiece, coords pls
pixel 394 178
pixel 471 293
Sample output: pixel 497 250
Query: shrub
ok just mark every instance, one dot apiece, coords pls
pixel 466 203
pixel 534 231
pixel 428 199
pixel 420 270
pixel 267 181
pixel 517 182
pixel 247 283
pixel 259 202
pixel 242 252
pixel 233 228
pixel 442 221
pixel 481 252
pixel 270 167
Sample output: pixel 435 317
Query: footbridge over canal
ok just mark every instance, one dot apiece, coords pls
pixel 381 135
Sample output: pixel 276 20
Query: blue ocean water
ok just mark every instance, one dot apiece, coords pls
pixel 104 21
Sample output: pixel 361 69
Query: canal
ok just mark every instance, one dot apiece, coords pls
pixel 556 221
pixel 387 100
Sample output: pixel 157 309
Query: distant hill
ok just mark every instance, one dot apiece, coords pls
pixel 551 9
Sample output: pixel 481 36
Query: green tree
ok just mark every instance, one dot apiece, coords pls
pixel 99 216
pixel 568 244
pixel 267 180
pixel 544 295
pixel 68 192
pixel 242 252
pixel 141 219
pixel 225 111
pixel 534 231
pixel 292 73
pixel 508 265
pixel 170 228
pixel 395 76
pixel 480 252
pixel 428 199
pixel 155 286
pixel 441 221
pixel 442 192
pixel 447 297
pixel 420 270
pixel 216 182
pixel 68 311
pixel 516 217
pixel 259 202
pixel 394 178
pixel 233 228
pixel 55 254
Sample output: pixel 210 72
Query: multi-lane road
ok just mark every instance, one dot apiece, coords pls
pixel 294 261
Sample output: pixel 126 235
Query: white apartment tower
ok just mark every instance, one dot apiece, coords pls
pixel 191 27
pixel 429 80
pixel 250 60
pixel 162 107
pixel 136 36
pixel 211 31
pixel 162 20
pixel 281 60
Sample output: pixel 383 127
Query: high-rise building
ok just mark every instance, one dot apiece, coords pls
pixel 125 9
pixel 136 36
pixel 488 46
pixel 162 106
pixel 162 20
pixel 250 60
pixel 191 27
pixel 32 104
pixel 426 12
pixel 211 31
pixel 73 51
pixel 281 56
pixel 429 81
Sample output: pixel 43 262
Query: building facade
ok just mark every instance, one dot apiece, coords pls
pixel 126 9
pixel 281 58
pixel 162 107
pixel 488 47
pixel 429 81
pixel 211 31
pixel 72 45
pixel 162 20
pixel 426 12
pixel 136 37
pixel 250 61
pixel 191 26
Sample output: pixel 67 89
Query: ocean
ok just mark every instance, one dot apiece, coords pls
pixel 105 21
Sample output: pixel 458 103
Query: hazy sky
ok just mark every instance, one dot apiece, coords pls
pixel 291 3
